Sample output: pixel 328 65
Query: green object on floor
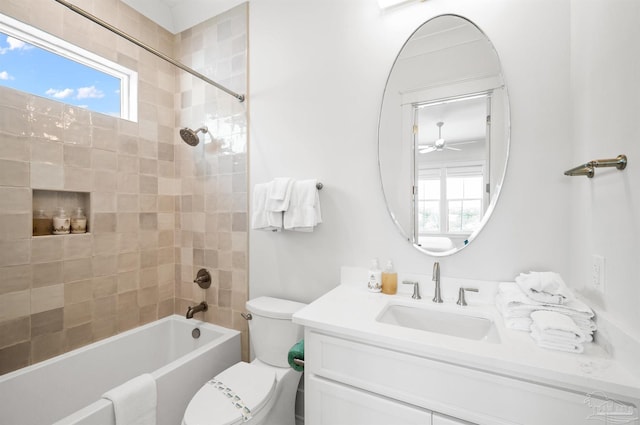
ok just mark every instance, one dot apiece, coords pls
pixel 297 352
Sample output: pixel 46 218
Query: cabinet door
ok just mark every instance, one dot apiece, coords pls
pixel 438 419
pixel 330 403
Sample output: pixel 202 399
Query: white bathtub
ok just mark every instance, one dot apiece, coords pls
pixel 67 389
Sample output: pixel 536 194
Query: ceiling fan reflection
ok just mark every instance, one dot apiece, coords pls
pixel 440 144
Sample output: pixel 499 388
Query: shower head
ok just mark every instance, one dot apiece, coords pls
pixel 190 137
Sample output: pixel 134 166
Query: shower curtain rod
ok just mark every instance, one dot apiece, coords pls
pixel 149 49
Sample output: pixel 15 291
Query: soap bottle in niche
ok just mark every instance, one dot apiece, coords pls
pixel 41 223
pixel 78 221
pixel 389 279
pixel 61 222
pixel 375 277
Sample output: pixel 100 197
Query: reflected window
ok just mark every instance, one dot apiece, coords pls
pixel 450 200
pixel 38 63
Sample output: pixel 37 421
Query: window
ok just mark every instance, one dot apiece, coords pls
pixel 38 63
pixel 453 204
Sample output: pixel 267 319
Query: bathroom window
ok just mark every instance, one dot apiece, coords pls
pixel 450 199
pixel 36 62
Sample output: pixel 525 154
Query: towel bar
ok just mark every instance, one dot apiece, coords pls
pixel 620 162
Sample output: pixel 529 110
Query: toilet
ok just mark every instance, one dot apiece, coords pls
pixel 263 391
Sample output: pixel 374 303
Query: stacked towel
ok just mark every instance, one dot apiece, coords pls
pixel 288 204
pixel 517 307
pixel 557 331
pixel 134 402
pixel 545 287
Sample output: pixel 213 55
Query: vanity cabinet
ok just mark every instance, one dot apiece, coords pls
pixel 353 382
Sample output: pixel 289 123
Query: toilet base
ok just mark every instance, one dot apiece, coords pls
pixel 282 411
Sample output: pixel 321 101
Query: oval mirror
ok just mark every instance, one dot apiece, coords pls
pixel 443 135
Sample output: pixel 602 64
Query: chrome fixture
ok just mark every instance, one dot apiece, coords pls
pixel 203 279
pixel 246 316
pixel 416 289
pixel 203 306
pixel 437 298
pixel 190 137
pixel 149 49
pixel 195 333
pixel 461 299
pixel 588 169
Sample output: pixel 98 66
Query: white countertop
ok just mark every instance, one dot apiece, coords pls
pixel 351 310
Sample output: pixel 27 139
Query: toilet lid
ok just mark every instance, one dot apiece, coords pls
pixel 233 396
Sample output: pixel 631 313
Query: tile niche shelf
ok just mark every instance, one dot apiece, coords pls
pixel 51 200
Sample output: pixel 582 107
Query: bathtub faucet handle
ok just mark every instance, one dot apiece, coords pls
pixel 203 306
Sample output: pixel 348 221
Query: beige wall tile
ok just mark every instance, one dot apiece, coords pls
pixel 77 314
pixel 79 291
pixel 47 176
pixel 46 274
pixel 15 278
pixel 46 151
pixel 105 243
pixel 13 147
pixel 15 252
pixel 46 249
pixel 77 156
pixel 47 298
pixel 47 345
pixel 14 173
pixel 78 246
pixel 46 322
pixel 14 357
pixel 105 265
pixel 79 269
pixel 77 179
pixel 15 200
pixel 15 331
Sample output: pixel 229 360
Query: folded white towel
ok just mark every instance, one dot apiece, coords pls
pixel 546 287
pixel 555 326
pixel 518 323
pixel 552 344
pixel 279 194
pixel 134 402
pixel 304 207
pixel 513 304
pixel 261 218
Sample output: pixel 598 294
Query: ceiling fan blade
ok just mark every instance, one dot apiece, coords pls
pixel 428 149
pixel 452 149
pixel 468 142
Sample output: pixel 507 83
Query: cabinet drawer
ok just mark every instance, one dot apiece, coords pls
pixel 330 403
pixel 461 392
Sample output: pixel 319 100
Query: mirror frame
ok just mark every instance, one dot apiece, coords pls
pixel 507 128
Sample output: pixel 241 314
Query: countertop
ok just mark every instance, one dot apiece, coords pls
pixel 350 311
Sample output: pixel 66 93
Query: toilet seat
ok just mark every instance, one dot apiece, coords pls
pixel 232 397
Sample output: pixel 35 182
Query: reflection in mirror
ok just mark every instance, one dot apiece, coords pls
pixel 443 135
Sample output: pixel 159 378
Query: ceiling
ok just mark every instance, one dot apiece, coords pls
pixel 179 15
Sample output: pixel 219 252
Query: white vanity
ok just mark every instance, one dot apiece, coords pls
pixel 361 368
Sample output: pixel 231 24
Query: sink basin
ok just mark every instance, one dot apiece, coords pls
pixel 463 324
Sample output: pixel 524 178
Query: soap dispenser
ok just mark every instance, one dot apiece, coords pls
pixel 389 279
pixel 375 277
pixel 78 221
pixel 61 222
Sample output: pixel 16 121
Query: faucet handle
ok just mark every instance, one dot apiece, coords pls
pixel 461 298
pixel 416 288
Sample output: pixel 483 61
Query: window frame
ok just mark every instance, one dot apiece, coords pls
pixel 128 77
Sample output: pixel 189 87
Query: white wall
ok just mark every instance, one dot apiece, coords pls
pixel 605 218
pixel 318 70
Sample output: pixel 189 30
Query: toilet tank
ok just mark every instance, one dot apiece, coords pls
pixel 271 331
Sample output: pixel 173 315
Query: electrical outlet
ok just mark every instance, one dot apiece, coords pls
pixel 597 273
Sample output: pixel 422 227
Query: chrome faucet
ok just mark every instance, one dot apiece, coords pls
pixel 196 309
pixel 437 298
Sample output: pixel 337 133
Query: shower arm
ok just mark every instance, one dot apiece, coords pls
pixel 149 49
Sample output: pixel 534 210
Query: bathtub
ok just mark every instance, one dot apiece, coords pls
pixel 67 389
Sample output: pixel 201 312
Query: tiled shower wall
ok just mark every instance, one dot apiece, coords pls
pixel 212 209
pixel 61 292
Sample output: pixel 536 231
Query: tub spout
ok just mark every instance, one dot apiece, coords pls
pixel 196 309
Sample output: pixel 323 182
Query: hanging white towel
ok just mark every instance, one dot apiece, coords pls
pixel 134 402
pixel 261 218
pixel 279 193
pixel 304 211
